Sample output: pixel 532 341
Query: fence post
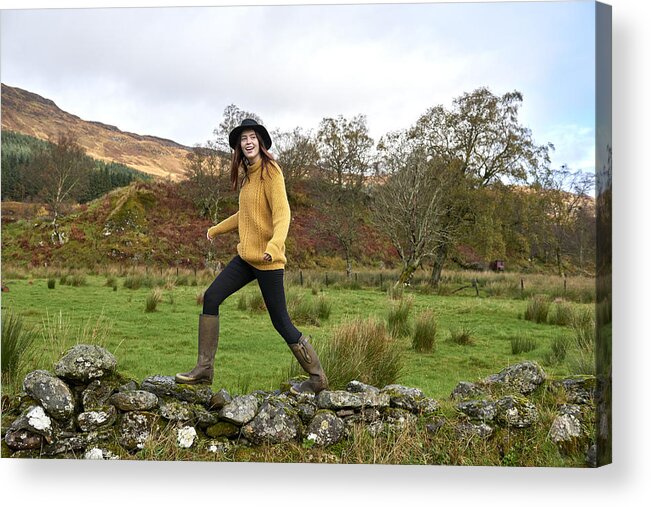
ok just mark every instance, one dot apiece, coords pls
pixel 326 279
pixel 564 285
pixel 301 272
pixel 522 286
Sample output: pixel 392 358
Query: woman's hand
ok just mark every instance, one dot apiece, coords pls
pixel 267 257
pixel 208 236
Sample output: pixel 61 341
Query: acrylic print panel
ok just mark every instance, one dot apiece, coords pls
pixel 436 222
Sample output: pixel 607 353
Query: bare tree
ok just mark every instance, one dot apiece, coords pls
pixel 296 152
pixel 409 204
pixel 203 169
pixel 231 118
pixel 63 167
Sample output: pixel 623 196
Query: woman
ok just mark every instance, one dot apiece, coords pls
pixel 262 222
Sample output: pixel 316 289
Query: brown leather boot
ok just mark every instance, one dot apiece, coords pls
pixel 309 361
pixel 202 373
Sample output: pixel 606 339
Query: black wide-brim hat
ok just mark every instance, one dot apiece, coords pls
pixel 249 124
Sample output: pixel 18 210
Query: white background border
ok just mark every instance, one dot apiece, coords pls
pixel 59 482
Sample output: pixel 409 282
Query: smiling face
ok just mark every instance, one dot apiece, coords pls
pixel 250 146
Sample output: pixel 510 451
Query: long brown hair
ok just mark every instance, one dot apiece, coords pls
pixel 239 159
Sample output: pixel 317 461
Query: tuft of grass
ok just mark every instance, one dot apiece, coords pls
pixel 358 350
pixel 562 314
pixel 17 341
pixel 242 301
pixel 398 316
pixel 520 344
pixel 51 283
pixel 111 281
pixel 583 325
pixel 537 310
pixel 73 279
pixel 559 348
pixel 424 335
pixel 462 336
pixel 154 297
pixel 256 303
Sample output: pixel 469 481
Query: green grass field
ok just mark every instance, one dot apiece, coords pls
pixel 251 355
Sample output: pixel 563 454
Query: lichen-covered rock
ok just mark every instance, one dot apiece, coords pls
pixel 75 443
pixel 173 410
pixel 407 398
pixel 275 423
pixel 135 428
pixel 515 411
pixel 129 401
pixel 306 411
pixel 185 437
pixel 566 429
pixel 204 417
pixel 433 427
pixel 579 391
pixel 164 386
pixel 220 399
pixel 479 410
pixel 223 429
pixel 97 453
pixel 427 406
pixel 219 447
pixel 241 410
pixel 83 363
pixel 469 429
pixel 132 385
pixel 466 390
pixel 325 429
pixel 96 419
pixel 355 386
pixel 23 440
pixel 51 392
pixel 97 393
pixel 523 378
pixel 337 400
pixel 34 420
pixel 591 456
pixel 398 418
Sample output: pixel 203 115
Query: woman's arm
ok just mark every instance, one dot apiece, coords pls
pixel 228 225
pixel 274 189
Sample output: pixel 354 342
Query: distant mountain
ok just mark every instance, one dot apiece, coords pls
pixel 28 113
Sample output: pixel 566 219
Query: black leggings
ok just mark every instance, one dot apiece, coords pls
pixel 236 275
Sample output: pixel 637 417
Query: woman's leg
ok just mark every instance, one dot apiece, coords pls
pixel 273 291
pixel 235 275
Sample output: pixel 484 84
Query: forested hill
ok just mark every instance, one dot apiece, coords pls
pixel 39 117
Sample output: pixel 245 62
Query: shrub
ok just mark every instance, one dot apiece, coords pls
pixel 358 350
pixel 462 336
pixel 520 344
pixel 398 317
pixel 154 297
pixel 537 310
pixel 323 307
pixel 424 336
pixel 51 282
pixel 16 345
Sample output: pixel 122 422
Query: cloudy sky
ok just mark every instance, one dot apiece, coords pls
pixel 171 71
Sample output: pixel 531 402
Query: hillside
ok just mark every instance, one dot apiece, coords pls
pixel 33 115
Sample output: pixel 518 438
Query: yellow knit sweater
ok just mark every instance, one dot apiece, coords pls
pixel 262 220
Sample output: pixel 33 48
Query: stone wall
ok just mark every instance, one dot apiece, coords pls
pixel 85 405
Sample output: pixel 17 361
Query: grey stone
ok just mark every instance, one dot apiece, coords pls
pixel 84 363
pixel 523 378
pixel 204 417
pixel 578 390
pixel 427 406
pixel 134 401
pixel 337 400
pixel 220 399
pixel 164 386
pixel 591 457
pixel 36 421
pixel 436 424
pixel 479 410
pixel 355 386
pixel 465 390
pixel 403 397
pixel 135 428
pixel 97 453
pixel 306 411
pixel 96 419
pixel 97 393
pixel 76 443
pixel 52 393
pixel 398 418
pixel 325 429
pixel 566 428
pixel 516 412
pixel 241 410
pixel 468 429
pixel 132 385
pixel 275 423
pixel 23 440
pixel 174 410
